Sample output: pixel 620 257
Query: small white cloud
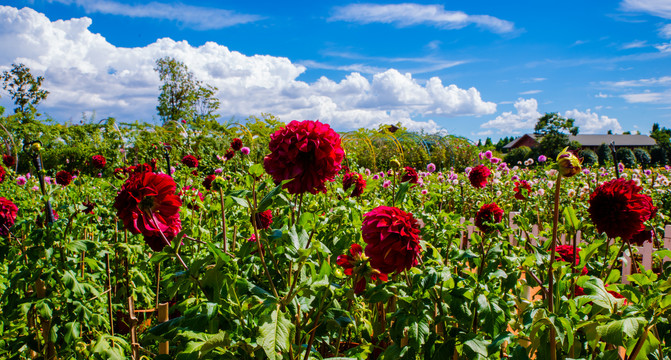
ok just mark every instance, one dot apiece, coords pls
pixel 531 92
pixel 592 123
pixel 661 8
pixel 634 45
pixel 409 14
pixel 196 17
pixel 434 45
pixel 648 97
pixel 660 81
pixel 664 47
pixel 601 95
pixel 579 42
pixel 665 31
pixel 525 118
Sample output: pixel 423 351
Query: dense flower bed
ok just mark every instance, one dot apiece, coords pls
pixel 305 255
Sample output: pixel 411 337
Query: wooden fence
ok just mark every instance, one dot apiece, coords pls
pixel 645 251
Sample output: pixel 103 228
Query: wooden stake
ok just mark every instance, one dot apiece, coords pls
pixel 109 293
pixel 133 328
pixel 163 348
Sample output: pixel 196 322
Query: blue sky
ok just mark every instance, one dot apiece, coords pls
pixel 476 68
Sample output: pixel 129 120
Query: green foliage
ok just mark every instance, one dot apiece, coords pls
pixel 642 157
pixel 554 130
pixel 589 157
pixel 626 157
pixel 605 154
pixel 518 155
pixel 658 156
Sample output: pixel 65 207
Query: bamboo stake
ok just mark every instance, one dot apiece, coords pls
pixel 163 348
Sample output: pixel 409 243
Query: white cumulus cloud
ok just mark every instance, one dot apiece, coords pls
pixel 409 14
pixel 592 123
pixel 86 73
pixel 525 117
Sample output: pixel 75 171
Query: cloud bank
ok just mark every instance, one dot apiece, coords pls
pixel 86 73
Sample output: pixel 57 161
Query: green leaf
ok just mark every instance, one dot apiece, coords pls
pixel 218 340
pixel 268 199
pixel 474 347
pixel 617 332
pixel 298 239
pixel 649 346
pixel 571 218
pixel 256 170
pixel 400 194
pixel 275 334
pixel 70 282
pixel 72 331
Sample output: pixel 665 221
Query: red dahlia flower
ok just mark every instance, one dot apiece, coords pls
pixel 392 239
pixel 522 190
pixel 190 161
pixel 89 206
pixel 357 265
pixel 229 154
pixel 354 179
pixel 308 152
pixel 488 213
pixel 8 160
pixel 98 161
pixel 207 183
pixel 478 176
pixel 236 144
pixel 8 211
pixel 642 237
pixel 617 208
pixel 264 219
pixel 565 253
pixel 3 173
pixel 147 204
pixel 410 174
pixel 63 178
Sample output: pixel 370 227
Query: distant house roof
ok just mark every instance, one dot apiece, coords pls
pixel 533 140
pixel 618 140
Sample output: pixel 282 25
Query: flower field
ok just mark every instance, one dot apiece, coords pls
pixel 187 252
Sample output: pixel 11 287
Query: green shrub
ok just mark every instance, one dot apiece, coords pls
pixel 642 157
pixel 589 157
pixel 604 154
pixel 517 155
pixel 626 157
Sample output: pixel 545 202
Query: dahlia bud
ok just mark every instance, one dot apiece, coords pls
pixel 395 163
pixel 568 163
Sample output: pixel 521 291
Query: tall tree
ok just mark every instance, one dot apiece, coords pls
pixel 24 88
pixel 554 130
pixel 182 96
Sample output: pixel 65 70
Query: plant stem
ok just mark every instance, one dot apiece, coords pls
pixel 223 216
pixel 612 265
pixel 553 245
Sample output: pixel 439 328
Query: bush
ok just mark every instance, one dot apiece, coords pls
pixel 604 154
pixel 517 155
pixel 658 156
pixel 642 157
pixel 626 157
pixel 589 157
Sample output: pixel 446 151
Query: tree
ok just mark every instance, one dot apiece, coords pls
pixel 518 155
pixel 24 88
pixel 554 130
pixel 663 138
pixel 604 154
pixel 643 157
pixel 182 96
pixel 626 157
pixel 589 158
